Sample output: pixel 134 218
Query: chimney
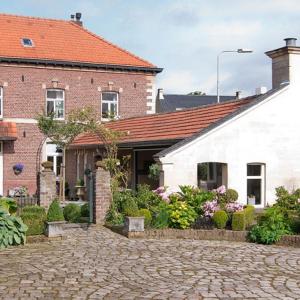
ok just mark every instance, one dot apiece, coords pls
pixel 160 94
pixel 238 95
pixel 77 18
pixel 260 90
pixel 285 63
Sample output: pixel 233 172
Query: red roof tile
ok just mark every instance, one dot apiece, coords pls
pixel 8 131
pixel 167 126
pixel 61 41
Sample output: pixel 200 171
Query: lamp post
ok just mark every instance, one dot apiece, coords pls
pixel 218 63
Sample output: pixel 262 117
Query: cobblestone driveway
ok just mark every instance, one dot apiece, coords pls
pixel 100 264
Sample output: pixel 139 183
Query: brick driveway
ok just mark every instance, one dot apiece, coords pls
pixel 100 264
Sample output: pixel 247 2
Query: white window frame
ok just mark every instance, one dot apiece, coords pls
pixel 54 155
pixel 1 104
pixel 263 183
pixel 110 102
pixel 54 100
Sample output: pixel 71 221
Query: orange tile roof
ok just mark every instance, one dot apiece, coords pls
pixel 8 131
pixel 60 40
pixel 167 126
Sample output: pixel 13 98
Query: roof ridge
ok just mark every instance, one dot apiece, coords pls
pixel 110 43
pixel 32 17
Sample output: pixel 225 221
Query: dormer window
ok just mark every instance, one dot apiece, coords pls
pixel 26 42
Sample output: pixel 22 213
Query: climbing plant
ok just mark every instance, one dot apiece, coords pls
pixel 86 120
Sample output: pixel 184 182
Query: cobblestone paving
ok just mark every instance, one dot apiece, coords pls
pixel 99 264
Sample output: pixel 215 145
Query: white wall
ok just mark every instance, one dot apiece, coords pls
pixel 267 133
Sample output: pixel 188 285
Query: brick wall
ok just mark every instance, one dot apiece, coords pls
pixel 24 90
pixel 24 99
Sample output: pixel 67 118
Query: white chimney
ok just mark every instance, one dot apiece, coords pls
pixel 285 63
pixel 260 90
pixel 160 94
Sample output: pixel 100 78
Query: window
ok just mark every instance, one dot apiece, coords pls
pixel 1 102
pixel 206 171
pixel 256 184
pixel 109 105
pixel 55 155
pixel 26 42
pixel 55 103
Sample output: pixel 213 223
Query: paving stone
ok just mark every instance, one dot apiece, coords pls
pixel 99 264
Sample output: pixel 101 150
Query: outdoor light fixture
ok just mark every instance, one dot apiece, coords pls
pixel 241 50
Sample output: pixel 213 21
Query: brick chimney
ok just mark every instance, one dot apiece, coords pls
pixel 285 63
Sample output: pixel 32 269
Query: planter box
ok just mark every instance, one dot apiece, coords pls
pixel 54 229
pixel 134 224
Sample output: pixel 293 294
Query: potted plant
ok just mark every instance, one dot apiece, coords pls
pixel 251 199
pixel 55 220
pixel 80 189
pixel 18 168
pixel 134 222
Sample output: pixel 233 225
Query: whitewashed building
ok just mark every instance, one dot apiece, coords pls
pixel 250 145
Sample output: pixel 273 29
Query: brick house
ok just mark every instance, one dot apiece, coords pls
pixel 57 66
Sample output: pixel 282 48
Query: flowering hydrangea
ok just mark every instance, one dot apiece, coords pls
pixel 233 207
pixel 210 207
pixel 164 193
pixel 221 189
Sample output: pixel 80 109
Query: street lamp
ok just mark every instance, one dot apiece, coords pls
pixel 218 59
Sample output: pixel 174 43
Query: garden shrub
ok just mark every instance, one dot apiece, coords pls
pixel 249 211
pixel 146 198
pixel 55 212
pixel 8 205
pixel 228 196
pixel 85 210
pixel 115 215
pixel 34 217
pixel 12 230
pixel 238 222
pixel 195 197
pixel 220 219
pixel 144 212
pixel 161 217
pixel 181 215
pixel 270 228
pixel 72 212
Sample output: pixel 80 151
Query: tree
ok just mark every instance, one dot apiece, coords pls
pixel 86 120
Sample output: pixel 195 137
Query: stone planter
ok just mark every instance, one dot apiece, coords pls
pixel 80 193
pixel 54 229
pixel 134 224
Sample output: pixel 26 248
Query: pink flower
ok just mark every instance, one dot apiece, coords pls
pixel 233 207
pixel 221 189
pixel 210 207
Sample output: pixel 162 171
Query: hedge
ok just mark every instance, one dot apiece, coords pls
pixel 238 221
pixel 220 219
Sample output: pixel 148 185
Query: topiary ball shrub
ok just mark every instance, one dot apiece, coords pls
pixel 34 217
pixel 220 219
pixel 55 212
pixel 249 211
pixel 72 213
pixel 85 211
pixel 238 221
pixel 143 212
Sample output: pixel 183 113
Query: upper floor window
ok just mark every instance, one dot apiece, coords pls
pixel 56 103
pixel 1 102
pixel 109 105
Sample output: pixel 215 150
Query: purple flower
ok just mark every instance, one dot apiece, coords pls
pixel 18 167
pixel 210 207
pixel 233 207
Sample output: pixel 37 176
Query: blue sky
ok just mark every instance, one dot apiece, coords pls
pixel 185 36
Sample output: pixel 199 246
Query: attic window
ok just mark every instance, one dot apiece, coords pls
pixel 27 42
